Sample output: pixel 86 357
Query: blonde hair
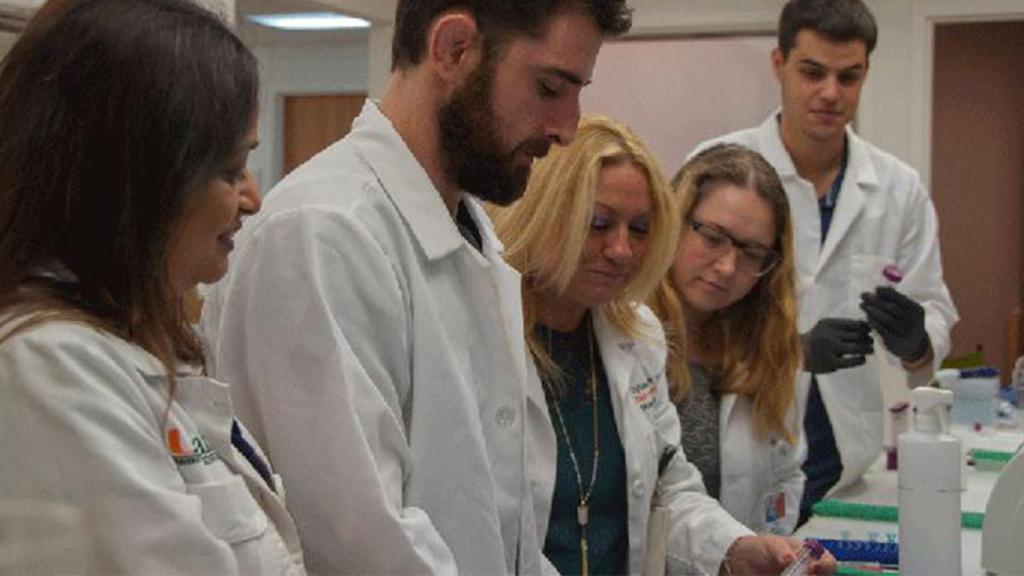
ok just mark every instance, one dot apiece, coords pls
pixel 544 232
pixel 755 340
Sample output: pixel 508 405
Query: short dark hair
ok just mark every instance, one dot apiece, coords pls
pixel 837 20
pixel 115 113
pixel 498 20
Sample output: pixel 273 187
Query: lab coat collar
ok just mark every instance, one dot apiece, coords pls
pixel 148 365
pixel 860 179
pixel 859 169
pixel 726 405
pixel 616 352
pixel 774 151
pixel 535 390
pixel 491 244
pixel 407 185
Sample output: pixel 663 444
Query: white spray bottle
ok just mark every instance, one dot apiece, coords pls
pixel 929 495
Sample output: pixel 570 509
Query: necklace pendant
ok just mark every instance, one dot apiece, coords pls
pixel 584 553
pixel 582 515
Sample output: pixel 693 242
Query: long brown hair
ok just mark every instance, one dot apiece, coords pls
pixel 114 114
pixel 755 340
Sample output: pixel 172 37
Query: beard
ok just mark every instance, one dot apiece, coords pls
pixel 471 143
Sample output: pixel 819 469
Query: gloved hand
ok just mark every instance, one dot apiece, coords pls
pixel 836 343
pixel 899 321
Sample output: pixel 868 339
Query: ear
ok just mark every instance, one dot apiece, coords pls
pixel 778 61
pixel 454 45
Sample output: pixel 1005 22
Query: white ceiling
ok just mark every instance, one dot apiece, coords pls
pixel 260 35
pixel 377 11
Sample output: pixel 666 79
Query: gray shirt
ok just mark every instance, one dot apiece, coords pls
pixel 698 416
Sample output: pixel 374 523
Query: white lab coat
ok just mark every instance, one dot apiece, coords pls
pixel 883 216
pixel 700 531
pixel 82 422
pixel 380 362
pixel 755 472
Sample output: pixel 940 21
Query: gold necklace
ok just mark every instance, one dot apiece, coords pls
pixel 583 508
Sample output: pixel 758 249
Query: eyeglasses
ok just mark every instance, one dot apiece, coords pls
pixel 753 259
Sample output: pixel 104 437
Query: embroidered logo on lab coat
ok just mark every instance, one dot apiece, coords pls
pixel 645 392
pixel 187 452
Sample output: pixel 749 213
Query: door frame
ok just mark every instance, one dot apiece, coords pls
pixel 927 14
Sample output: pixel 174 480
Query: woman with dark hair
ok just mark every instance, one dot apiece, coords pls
pixel 127 125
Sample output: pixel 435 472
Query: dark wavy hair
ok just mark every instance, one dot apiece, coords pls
pixel 114 114
pixel 837 20
pixel 498 20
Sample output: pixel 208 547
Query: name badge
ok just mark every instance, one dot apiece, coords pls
pixel 774 511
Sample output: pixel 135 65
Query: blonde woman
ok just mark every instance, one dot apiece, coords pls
pixel 729 313
pixel 594 233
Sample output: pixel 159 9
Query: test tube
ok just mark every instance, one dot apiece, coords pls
pixel 892 274
pixel 898 425
pixel 811 551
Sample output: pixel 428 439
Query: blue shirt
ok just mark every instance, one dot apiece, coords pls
pixel 823 466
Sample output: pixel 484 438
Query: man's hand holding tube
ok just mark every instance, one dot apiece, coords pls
pixel 899 321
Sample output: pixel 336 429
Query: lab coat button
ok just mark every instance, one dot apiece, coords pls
pixel 506 417
pixel 638 488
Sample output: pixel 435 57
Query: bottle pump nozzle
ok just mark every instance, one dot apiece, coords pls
pixel 931 408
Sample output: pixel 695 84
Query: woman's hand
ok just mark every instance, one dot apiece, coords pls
pixel 769 555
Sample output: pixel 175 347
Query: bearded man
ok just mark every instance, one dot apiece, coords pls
pixel 369 325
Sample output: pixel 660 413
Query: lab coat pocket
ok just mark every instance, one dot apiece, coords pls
pixel 229 510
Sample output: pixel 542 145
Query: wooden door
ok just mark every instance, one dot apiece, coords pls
pixel 313 122
pixel 978 179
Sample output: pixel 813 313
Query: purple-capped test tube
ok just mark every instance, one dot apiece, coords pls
pixel 811 551
pixel 892 274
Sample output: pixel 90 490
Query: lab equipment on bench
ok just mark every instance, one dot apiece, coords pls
pixel 929 479
pixel 1001 550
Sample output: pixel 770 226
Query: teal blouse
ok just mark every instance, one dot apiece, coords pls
pixel 607 529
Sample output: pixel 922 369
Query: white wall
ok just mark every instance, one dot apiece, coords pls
pixel 288 70
pixel 895 110
pixel 676 93
pixel 380 59
pixel 381 14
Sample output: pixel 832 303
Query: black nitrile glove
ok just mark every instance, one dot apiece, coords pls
pixel 899 321
pixel 836 343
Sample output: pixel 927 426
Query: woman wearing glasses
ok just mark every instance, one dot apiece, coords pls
pixel 729 313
